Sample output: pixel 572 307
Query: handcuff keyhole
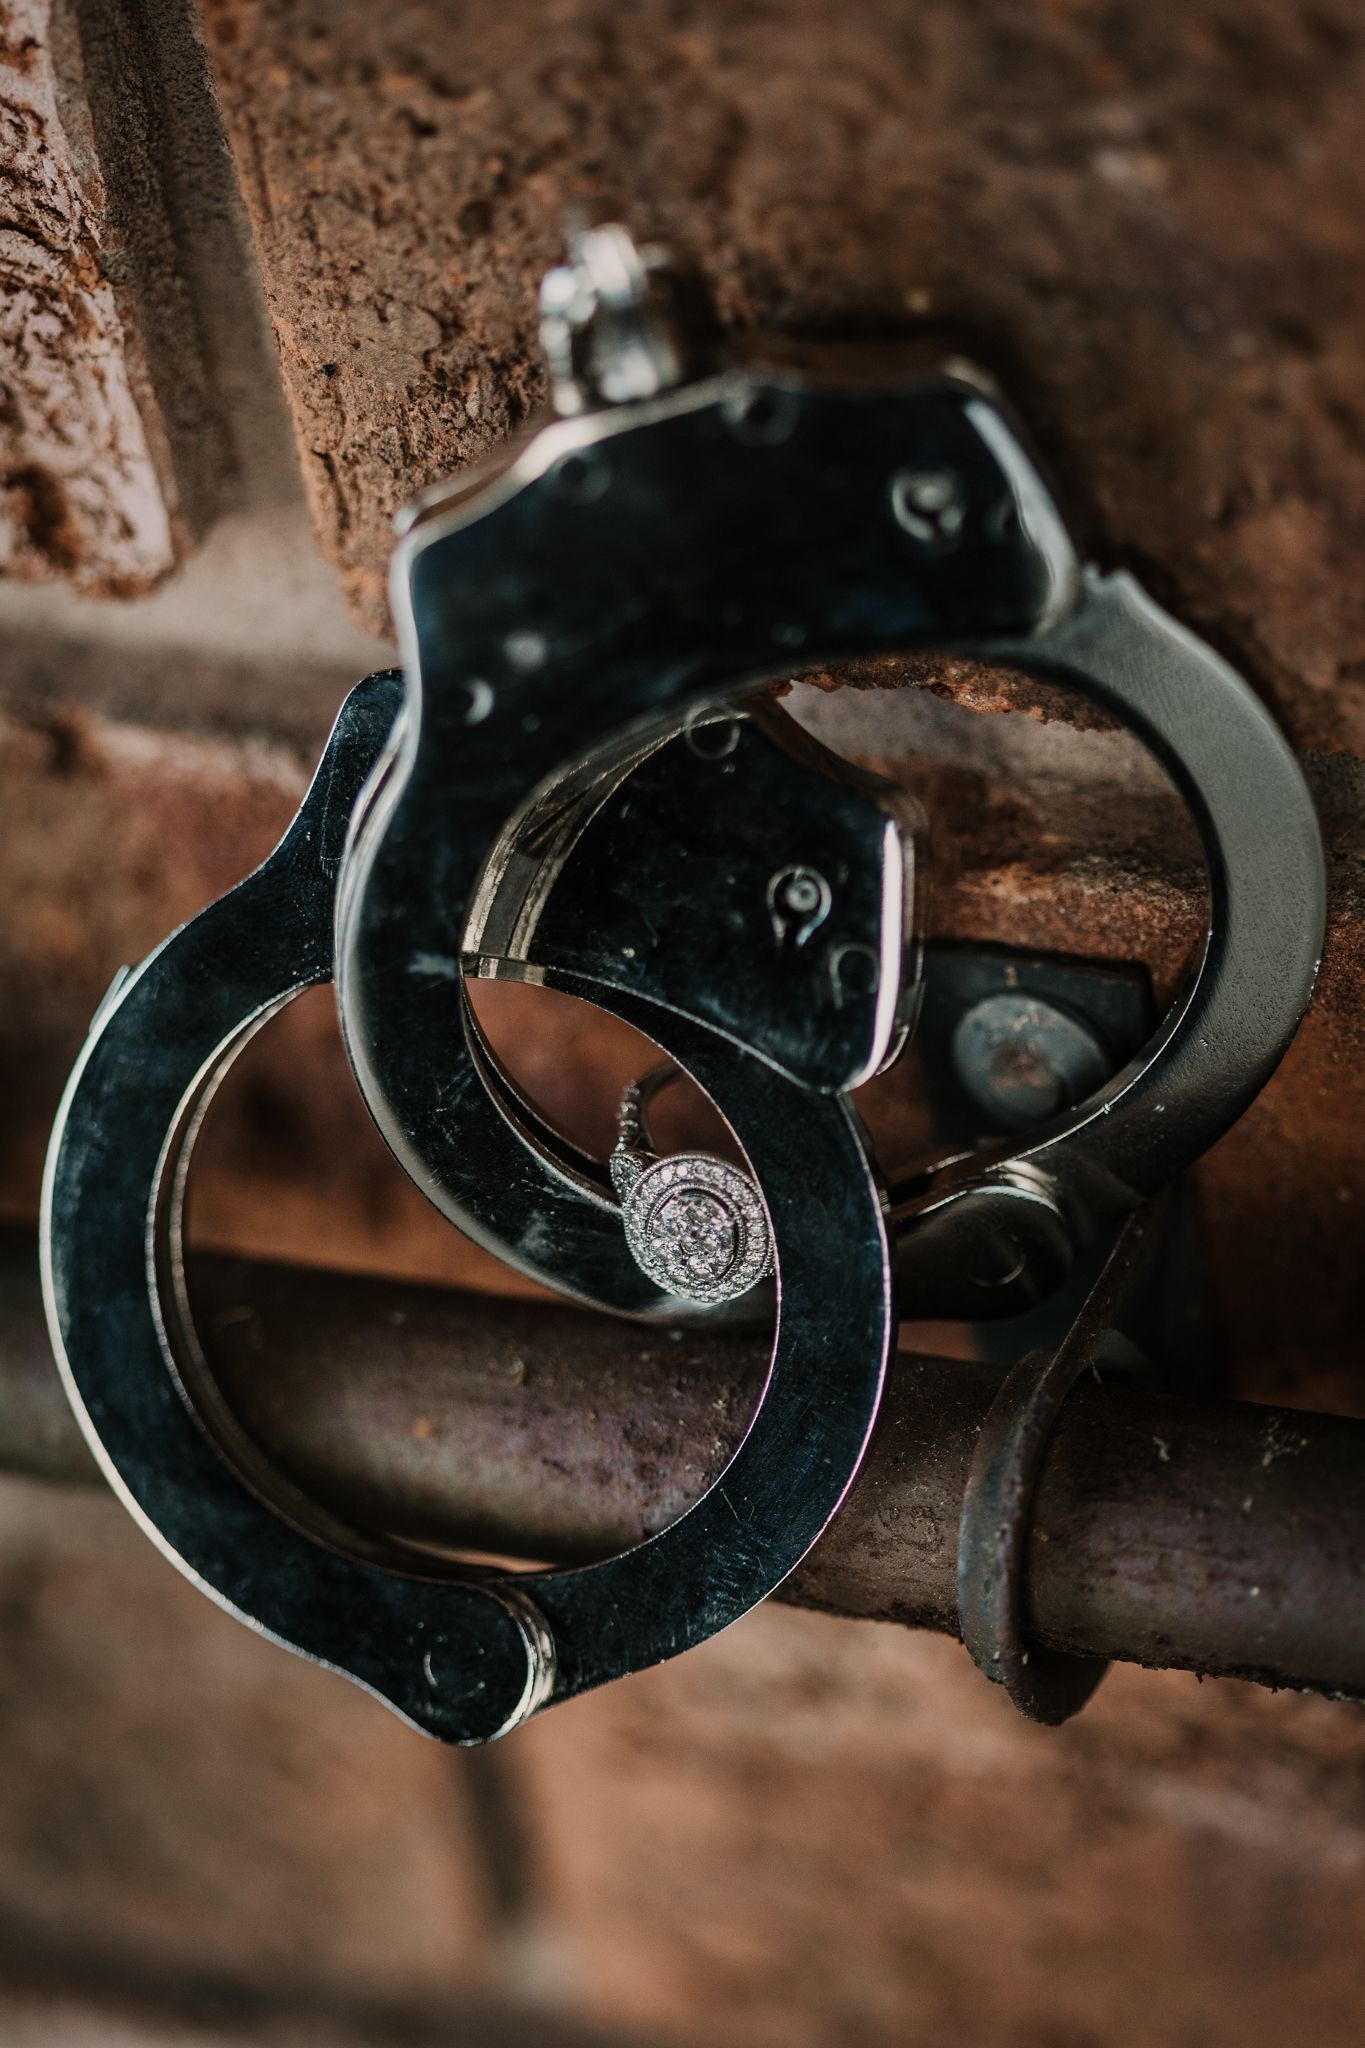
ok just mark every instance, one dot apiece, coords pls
pixel 930 505
pixel 799 900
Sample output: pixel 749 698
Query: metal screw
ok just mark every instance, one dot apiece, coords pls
pixel 1023 1060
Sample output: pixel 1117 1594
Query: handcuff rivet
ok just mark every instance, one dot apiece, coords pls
pixel 581 477
pixel 760 417
pixel 525 651
pixel 855 971
pixel 711 739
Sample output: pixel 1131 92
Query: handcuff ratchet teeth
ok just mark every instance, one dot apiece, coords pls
pixel 574 636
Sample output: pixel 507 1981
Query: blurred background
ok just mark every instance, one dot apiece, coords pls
pixel 266 268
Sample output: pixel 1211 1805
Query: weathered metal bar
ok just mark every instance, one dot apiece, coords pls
pixel 1215 1537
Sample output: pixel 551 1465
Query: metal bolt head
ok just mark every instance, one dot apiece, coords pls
pixel 1023 1060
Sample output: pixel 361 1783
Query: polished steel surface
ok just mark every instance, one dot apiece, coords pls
pixel 835 520
pixel 464 1655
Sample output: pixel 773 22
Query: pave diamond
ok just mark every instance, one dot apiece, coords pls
pixel 697 1226
pixel 696 1234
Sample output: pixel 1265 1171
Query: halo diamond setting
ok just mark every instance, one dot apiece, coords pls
pixel 697 1226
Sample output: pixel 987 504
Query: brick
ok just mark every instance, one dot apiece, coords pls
pixel 813 1831
pixel 1153 222
pixel 86 488
pixel 810 1831
pixel 181 1797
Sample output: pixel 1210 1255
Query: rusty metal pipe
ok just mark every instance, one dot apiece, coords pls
pixel 1216 1537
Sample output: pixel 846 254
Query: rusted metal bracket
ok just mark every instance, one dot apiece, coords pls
pixel 1215 1537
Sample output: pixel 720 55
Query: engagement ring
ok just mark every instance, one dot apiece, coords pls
pixel 694 1223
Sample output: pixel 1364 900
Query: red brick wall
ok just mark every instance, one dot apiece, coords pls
pixel 814 1830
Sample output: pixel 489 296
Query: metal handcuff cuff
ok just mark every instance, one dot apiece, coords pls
pixel 571 784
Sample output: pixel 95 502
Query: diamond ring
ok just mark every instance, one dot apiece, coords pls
pixel 695 1224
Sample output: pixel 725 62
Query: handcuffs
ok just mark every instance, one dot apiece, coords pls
pixel 576 781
